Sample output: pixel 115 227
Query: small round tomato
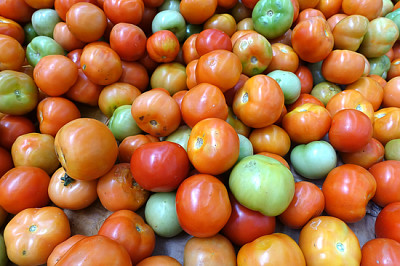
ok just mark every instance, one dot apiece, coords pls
pixel 202 205
pixel 212 39
pixel 196 12
pixel 308 202
pixel 62 6
pixel 283 58
pixel 163 46
pixel 381 251
pixel 128 11
pixel 245 225
pixel 68 193
pixel 273 249
pixel 213 146
pixel 84 90
pixel 387 124
pixel 63 36
pixel 387 224
pixel 387 183
pixel 347 190
pixel 17 192
pixel 326 240
pixel 213 250
pixel 33 233
pixel 170 76
pixel 350 131
pixel 370 154
pixel 11 127
pixel 13 56
pixel 305 76
pixel 160 166
pixel 62 248
pixel 272 139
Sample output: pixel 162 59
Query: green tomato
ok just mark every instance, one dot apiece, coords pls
pixel 289 83
pixel 379 66
pixel 246 148
pixel 262 184
pixel 272 18
pixel 41 46
pixel 3 253
pixel 30 33
pixel 392 150
pixel 324 91
pixel 170 5
pixel 160 214
pixel 387 7
pixel 180 136
pixel 395 17
pixel 170 20
pixel 18 93
pixel 313 160
pixel 316 72
pixel 44 20
pixel 122 124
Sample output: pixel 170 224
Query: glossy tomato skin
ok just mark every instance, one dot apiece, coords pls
pixel 17 10
pixel 13 56
pixel 371 154
pixel 160 166
pixel 62 248
pixel 11 127
pixel 212 39
pixel 130 144
pixel 325 240
pixel 347 190
pixel 386 175
pixel 163 46
pixel 130 231
pixel 17 192
pixel 62 6
pixel 245 225
pixel 272 139
pixel 213 146
pixel 33 233
pixel 128 11
pixel 273 249
pixel 387 223
pixel 381 251
pixel 202 205
pixel 387 124
pixel 108 252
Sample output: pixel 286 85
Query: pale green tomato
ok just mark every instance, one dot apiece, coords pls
pixel 44 21
pixel 170 20
pixel 41 46
pixel 289 83
pixel 262 184
pixel 160 213
pixel 246 148
pixel 122 124
pixel 379 66
pixel 392 150
pixel 180 136
pixel 313 160
pixel 170 5
pixel 324 91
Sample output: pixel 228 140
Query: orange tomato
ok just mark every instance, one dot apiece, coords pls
pixel 11 28
pixel 387 124
pixel 283 58
pixel 13 55
pixel 271 139
pixel 329 7
pixel 391 93
pixel 369 8
pixel 349 32
pixel 370 154
pixel 189 51
pixel 306 79
pixel 370 89
pixel 197 12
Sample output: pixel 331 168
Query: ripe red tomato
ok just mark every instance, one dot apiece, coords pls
pixel 130 231
pixel 386 174
pixel 380 251
pixel 245 225
pixel 160 166
pixel 13 126
pixel 17 192
pixel 128 11
pixel 6 162
pixel 212 39
pixel 387 224
pixel 371 154
pixel 163 46
pixel 84 90
pixel 202 205
pixel 63 36
pixel 130 144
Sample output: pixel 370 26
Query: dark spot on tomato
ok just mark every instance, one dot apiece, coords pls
pixel 141 118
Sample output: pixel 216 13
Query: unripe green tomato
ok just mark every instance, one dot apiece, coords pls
pixel 392 150
pixel 289 83
pixel 180 136
pixel 246 148
pixel 324 91
pixel 122 124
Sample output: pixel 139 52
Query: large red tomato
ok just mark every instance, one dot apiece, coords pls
pixel 387 223
pixel 380 251
pixel 386 174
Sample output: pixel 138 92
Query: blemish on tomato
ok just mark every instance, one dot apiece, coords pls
pixel 199 143
pixel 141 118
pixel 245 97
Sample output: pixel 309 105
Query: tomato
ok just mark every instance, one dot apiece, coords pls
pixel 202 205
pixel 387 223
pixel 391 92
pixel 17 10
pixel 163 46
pixel 309 13
pixel 349 32
pixel 272 139
pixel 230 94
pixel 273 249
pixel 13 56
pixel 35 149
pixel 370 9
pixel 77 143
pixel 304 98
pixel 347 190
pixel 156 112
pixel 84 90
pixel 170 76
pixel 160 166
pixel 17 192
pixel 283 58
pixel 135 74
pixel 68 193
pixel 128 11
pixel 245 225
pixel 259 102
pixel 383 251
pixel 196 12
pixel 128 40
pixel 306 123
pixel 385 174
pixel 328 240
pixel 11 127
pixel 33 233
pixel 370 89
pixel 130 144
pixel 6 162
pixel 101 64
pixel 394 70
pixel 159 260
pixel 329 7
pixel 63 36
pixel 239 127
pixel 12 28
pixel 129 229
pixel 55 74
pixel 343 66
pixel 212 39
pixel 221 68
pixel 189 51
pixel 62 248
pixel 224 22
pixel 108 252
pixel 213 146
pixel 203 101
pixel 62 6
pixel 213 250
pixel 386 124
pixel 370 154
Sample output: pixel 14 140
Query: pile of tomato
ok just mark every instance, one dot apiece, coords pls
pixel 214 118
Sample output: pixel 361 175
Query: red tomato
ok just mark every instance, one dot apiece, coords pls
pixel 163 46
pixel 189 51
pixel 350 131
pixel 128 11
pixel 308 202
pixel 380 251
pixel 135 74
pixel 64 37
pixel 202 205
pixel 13 29
pixel 306 79
pixel 160 166
pixel 17 10
pixel 130 231
pixel 84 90
pixel 130 144
pixel 371 154
pixel 245 225
pixel 17 192
pixel 11 127
pixel 13 55
pixel 6 162
pixel 387 224
pixel 213 146
pixel 212 39
pixel 347 190
pixel 387 182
